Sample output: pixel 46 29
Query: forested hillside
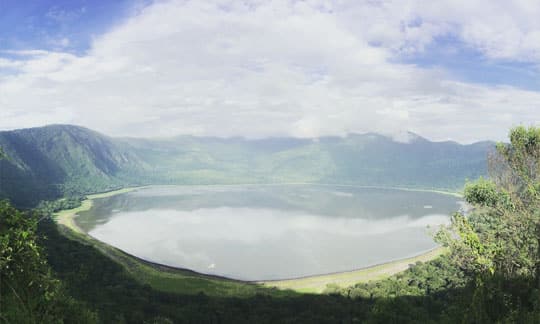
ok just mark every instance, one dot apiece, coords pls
pixel 58 160
pixel 49 162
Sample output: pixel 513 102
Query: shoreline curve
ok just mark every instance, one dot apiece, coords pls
pixel 308 284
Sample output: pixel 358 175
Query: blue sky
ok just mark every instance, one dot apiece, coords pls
pixel 470 65
pixel 447 70
pixel 44 24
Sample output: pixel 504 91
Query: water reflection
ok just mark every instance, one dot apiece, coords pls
pixel 268 232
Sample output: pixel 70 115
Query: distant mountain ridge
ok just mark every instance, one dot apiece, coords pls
pixel 52 161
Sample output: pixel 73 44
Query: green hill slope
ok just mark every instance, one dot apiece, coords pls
pixel 48 162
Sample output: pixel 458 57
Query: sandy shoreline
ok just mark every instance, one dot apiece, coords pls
pixel 66 217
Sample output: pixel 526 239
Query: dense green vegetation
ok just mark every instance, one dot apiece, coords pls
pixel 498 245
pixel 55 161
pixel 29 293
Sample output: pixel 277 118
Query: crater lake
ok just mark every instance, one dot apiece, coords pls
pixel 267 232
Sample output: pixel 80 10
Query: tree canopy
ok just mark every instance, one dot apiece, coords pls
pixel 29 293
pixel 498 241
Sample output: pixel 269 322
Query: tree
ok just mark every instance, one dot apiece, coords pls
pixel 498 242
pixel 501 235
pixel 28 291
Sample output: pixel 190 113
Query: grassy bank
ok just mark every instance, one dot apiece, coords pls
pixel 317 284
pixel 184 281
pixel 172 280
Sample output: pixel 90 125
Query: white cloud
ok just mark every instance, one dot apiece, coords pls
pixel 303 68
pixel 24 52
pixel 500 29
pixel 11 64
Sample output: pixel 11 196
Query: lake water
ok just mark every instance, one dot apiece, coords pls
pixel 257 232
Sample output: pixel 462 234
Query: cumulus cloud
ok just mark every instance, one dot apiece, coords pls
pixel 256 69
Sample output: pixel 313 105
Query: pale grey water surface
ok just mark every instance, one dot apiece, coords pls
pixel 257 232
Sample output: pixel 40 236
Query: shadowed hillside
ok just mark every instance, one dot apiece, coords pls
pixel 47 162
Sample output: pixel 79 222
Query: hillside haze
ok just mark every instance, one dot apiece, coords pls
pixel 53 161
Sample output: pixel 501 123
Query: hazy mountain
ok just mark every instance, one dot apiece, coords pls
pixel 47 162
